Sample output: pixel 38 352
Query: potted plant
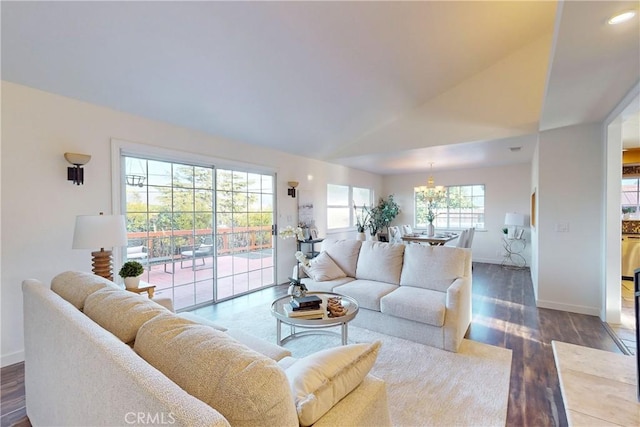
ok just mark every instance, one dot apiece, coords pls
pixel 383 214
pixel 131 272
pixel 361 220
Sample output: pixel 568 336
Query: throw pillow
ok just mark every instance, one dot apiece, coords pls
pixel 121 312
pixel 323 268
pixel 76 286
pixel 322 379
pixel 247 388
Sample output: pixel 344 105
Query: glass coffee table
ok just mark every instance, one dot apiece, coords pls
pixel 314 326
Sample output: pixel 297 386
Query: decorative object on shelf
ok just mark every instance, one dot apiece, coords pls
pixel 513 220
pixel 76 173
pixel 291 191
pixel 102 231
pixel 131 272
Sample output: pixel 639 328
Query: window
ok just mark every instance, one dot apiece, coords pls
pixel 461 207
pixel 340 201
pixel 631 197
pixel 204 232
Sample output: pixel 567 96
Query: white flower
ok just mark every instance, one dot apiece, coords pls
pixel 289 232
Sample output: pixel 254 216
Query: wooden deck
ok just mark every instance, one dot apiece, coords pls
pixel 190 282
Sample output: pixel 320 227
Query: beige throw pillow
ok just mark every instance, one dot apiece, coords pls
pixel 121 312
pixel 323 268
pixel 322 379
pixel 249 389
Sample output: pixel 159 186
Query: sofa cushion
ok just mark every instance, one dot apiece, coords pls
pixel 323 268
pixel 380 261
pixel 326 286
pixel 121 312
pixel 421 305
pixel 321 380
pixel 344 253
pixel 366 292
pixel 76 286
pixel 432 267
pixel 249 389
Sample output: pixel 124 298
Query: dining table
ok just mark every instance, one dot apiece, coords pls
pixel 438 239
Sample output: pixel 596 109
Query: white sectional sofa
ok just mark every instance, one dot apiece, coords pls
pixel 96 354
pixel 416 292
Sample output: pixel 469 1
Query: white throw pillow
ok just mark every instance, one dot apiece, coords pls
pixel 323 268
pixel 321 380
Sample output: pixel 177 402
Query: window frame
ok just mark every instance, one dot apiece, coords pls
pixel 349 205
pixel 445 211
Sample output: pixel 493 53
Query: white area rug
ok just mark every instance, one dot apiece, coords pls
pixel 426 386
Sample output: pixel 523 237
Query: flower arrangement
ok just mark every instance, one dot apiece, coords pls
pixel 302 259
pixel 362 219
pixel 289 232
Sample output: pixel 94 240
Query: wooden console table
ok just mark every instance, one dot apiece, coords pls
pixel 142 289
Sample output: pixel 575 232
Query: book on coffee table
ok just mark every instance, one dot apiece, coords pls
pixel 307 301
pixel 319 312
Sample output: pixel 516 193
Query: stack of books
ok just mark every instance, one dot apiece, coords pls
pixel 309 307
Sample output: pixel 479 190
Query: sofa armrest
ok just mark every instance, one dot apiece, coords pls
pixel 366 405
pixel 458 316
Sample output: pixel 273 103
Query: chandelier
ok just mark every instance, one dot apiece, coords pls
pixel 433 193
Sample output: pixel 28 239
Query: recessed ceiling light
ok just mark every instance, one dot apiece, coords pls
pixel 621 17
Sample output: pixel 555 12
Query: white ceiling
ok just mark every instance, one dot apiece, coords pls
pixel 387 87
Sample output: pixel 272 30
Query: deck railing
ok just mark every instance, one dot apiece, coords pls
pixel 228 240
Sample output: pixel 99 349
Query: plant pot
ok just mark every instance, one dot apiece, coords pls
pixel 132 282
pixel 431 230
pixel 361 236
pixel 373 237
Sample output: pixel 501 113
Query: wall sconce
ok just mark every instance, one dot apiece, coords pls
pixel 292 191
pixel 76 173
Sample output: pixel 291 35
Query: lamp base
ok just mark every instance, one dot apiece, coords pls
pixel 102 264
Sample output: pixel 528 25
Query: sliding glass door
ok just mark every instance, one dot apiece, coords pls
pixel 203 234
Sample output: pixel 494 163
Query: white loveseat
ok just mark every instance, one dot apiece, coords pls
pixel 96 354
pixel 416 292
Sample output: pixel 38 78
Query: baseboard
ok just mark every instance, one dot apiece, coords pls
pixel 12 359
pixel 580 309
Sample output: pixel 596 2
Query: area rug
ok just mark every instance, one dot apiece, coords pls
pixel 426 386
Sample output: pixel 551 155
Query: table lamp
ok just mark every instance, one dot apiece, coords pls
pixel 100 231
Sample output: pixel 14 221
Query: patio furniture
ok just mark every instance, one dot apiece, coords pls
pixel 192 253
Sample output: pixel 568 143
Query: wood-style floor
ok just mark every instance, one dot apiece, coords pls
pixel 504 315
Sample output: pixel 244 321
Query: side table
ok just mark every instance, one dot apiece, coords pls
pixel 150 289
pixel 312 253
pixel 513 257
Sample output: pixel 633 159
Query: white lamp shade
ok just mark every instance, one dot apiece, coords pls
pixel 99 231
pixel 512 218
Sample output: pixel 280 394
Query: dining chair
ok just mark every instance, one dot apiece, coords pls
pixel 394 234
pixel 462 239
pixel 470 234
pixel 406 229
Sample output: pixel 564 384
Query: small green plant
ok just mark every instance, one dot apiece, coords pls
pixel 131 269
pixel 505 230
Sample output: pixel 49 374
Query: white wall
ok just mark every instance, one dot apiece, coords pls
pixel 39 205
pixel 571 196
pixel 507 189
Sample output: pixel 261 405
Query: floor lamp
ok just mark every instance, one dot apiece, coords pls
pixel 100 231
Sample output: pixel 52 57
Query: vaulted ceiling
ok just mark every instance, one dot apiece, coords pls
pixel 388 87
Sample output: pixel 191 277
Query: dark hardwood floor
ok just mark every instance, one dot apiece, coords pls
pixel 504 315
